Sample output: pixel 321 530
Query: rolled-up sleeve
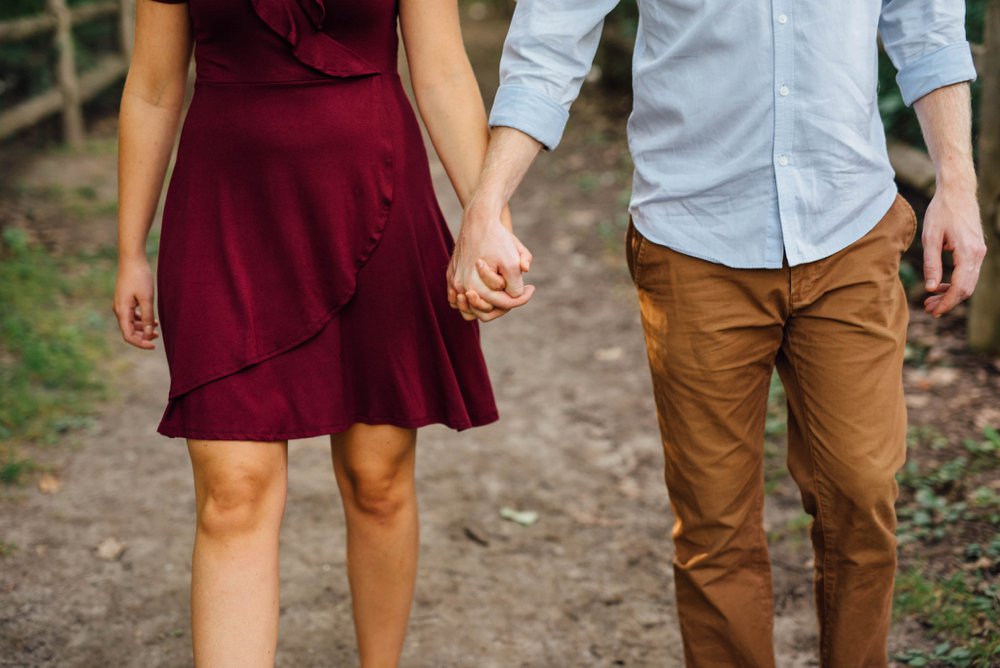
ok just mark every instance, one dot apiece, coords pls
pixel 549 49
pixel 925 40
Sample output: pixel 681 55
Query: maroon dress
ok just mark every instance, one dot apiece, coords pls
pixel 303 253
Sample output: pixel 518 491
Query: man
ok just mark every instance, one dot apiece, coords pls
pixel 766 230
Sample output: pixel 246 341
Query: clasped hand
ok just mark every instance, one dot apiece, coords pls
pixel 485 275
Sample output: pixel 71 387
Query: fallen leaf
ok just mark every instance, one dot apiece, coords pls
pixel 110 549
pixel 629 488
pixel 523 517
pixel 49 484
pixel 612 354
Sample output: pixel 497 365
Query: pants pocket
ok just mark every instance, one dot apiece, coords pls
pixel 911 219
pixel 633 249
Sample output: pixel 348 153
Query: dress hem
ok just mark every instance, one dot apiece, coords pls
pixel 310 432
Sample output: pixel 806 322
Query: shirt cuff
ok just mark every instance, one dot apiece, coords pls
pixel 948 65
pixel 531 112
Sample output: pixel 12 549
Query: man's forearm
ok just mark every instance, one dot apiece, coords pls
pixel 952 220
pixel 508 158
pixel 945 117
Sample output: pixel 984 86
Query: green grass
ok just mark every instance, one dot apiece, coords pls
pixel 81 203
pixel 53 326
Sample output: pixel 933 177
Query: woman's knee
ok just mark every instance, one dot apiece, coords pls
pixel 239 500
pixel 380 488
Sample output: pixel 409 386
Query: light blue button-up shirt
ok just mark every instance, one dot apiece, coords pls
pixel 755 130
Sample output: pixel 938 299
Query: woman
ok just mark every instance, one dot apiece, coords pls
pixel 300 281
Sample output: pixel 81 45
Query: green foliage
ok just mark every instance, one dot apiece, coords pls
pixel 11 9
pixel 942 494
pixel 51 338
pixel 961 609
pixel 13 467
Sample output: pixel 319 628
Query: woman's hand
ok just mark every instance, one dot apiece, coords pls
pixel 133 304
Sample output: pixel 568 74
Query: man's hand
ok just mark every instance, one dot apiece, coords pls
pixel 952 223
pixel 485 273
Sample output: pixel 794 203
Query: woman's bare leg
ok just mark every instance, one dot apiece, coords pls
pixel 374 466
pixel 240 490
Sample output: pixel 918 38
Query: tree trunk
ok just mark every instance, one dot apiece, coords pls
pixel 984 317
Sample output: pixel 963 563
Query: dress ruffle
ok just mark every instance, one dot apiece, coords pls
pixel 301 24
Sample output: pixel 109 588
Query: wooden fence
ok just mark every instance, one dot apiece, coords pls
pixel 72 88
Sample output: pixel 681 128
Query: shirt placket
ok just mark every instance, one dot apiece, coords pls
pixel 784 160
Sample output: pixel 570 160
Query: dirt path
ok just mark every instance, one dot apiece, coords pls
pixel 588 585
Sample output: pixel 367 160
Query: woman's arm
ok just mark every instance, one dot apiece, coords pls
pixel 445 87
pixel 147 125
pixel 450 105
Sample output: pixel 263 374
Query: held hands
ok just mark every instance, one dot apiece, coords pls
pixel 134 289
pixel 485 273
pixel 952 223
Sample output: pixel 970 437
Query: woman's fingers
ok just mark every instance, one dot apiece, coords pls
pixel 133 324
pixel 464 308
pixel 478 303
pixel 138 327
pixel 504 301
pixel 146 314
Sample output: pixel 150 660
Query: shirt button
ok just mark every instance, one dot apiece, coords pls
pixel 782 19
pixel 783 160
pixel 783 91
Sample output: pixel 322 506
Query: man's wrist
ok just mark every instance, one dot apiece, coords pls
pixel 956 178
pixel 484 207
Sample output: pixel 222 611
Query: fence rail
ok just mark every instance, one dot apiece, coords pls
pixel 72 89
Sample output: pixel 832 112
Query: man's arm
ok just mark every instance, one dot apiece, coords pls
pixel 952 221
pixel 485 247
pixel 926 41
pixel 548 52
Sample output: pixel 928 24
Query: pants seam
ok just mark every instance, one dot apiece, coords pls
pixel 827 574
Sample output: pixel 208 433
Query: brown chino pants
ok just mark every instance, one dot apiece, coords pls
pixel 836 330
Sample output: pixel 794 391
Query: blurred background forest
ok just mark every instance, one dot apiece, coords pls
pixel 61 67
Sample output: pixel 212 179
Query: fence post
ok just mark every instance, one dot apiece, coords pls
pixel 984 315
pixel 126 27
pixel 69 84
